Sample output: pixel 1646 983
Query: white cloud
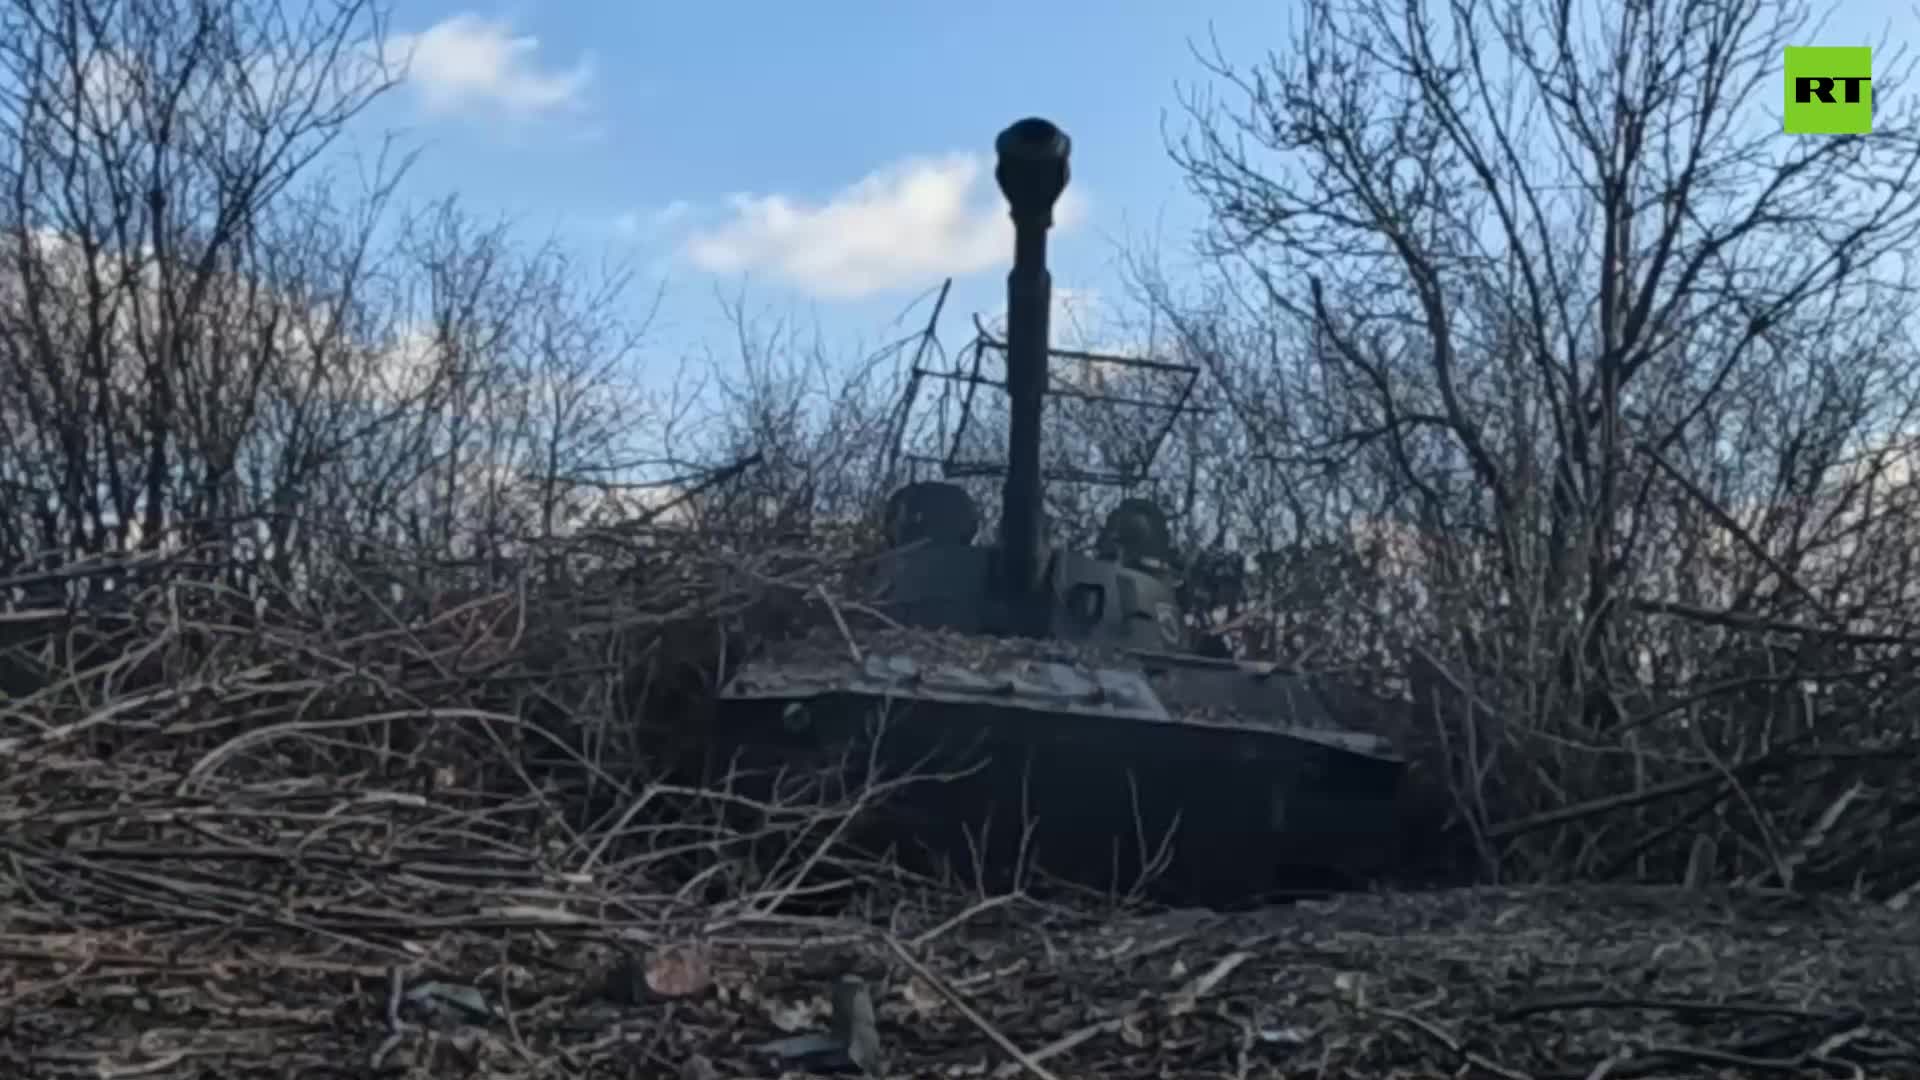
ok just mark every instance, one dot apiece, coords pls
pixel 634 223
pixel 898 227
pixel 468 62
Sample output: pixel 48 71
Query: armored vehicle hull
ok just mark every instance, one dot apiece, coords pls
pixel 1200 781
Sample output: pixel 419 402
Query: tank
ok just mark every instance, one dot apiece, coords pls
pixel 1076 729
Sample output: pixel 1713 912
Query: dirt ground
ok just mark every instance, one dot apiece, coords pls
pixel 1506 983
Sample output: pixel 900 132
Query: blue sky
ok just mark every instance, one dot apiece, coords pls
pixel 858 133
pixel 833 159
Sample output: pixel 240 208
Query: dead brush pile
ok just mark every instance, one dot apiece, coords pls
pixel 424 829
pixel 239 828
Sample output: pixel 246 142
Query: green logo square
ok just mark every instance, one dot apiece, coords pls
pixel 1829 91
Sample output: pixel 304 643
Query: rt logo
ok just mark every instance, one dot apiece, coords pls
pixel 1829 91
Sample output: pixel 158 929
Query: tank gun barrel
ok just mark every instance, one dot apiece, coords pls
pixel 1032 173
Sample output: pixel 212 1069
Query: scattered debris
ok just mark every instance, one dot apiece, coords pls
pixel 679 971
pixel 1184 1002
pixel 1700 862
pixel 853 1045
pixel 853 1024
pixel 699 1067
pixel 451 1002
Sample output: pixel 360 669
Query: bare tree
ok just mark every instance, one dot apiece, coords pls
pixel 816 423
pixel 141 140
pixel 1542 295
pixel 206 336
